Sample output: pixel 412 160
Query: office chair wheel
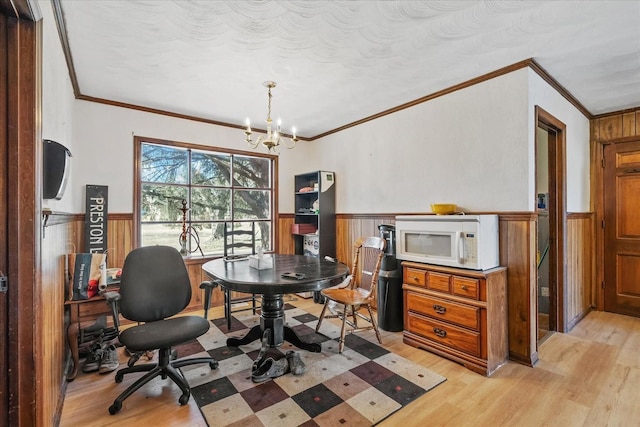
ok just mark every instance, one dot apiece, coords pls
pixel 119 376
pixel 213 365
pixel 115 408
pixel 184 399
pixel 134 358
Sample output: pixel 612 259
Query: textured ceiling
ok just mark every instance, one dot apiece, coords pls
pixel 337 62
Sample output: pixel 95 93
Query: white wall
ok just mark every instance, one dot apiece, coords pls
pixel 57 101
pixel 474 147
pixel 469 147
pixel 577 141
pixel 104 134
pixel 542 161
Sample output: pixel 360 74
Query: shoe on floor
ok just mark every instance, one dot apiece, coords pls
pixel 270 369
pixel 94 358
pixel 110 360
pixel 296 365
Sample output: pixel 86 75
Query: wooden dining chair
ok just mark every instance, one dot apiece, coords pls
pixel 237 242
pixel 357 292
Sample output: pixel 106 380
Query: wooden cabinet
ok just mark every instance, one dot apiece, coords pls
pixel 314 231
pixel 458 314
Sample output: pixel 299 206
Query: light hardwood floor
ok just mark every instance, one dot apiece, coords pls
pixel 587 377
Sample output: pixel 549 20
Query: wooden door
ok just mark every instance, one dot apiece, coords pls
pixel 622 228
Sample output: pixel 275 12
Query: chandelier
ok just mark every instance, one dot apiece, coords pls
pixel 273 138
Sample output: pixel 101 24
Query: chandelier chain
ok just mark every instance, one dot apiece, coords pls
pixel 269 111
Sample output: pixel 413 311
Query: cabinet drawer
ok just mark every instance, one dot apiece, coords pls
pixel 416 277
pixel 446 334
pixel 439 282
pixel 93 309
pixel 466 287
pixel 460 314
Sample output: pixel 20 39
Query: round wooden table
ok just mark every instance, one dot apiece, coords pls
pixel 237 276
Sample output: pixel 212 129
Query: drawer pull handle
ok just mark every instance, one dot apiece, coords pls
pixel 439 309
pixel 440 332
pixel 465 287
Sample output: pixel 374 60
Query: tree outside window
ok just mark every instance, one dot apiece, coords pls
pixel 220 188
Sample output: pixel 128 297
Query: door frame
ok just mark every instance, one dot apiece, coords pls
pixel 557 217
pixel 20 191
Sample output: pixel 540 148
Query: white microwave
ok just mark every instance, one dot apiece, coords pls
pixel 464 241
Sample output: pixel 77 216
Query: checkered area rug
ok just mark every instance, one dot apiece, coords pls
pixel 359 387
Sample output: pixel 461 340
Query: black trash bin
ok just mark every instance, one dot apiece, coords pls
pixel 389 284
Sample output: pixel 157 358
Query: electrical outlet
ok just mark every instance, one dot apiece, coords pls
pixel 544 291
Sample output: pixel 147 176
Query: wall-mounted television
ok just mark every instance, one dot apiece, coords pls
pixel 55 169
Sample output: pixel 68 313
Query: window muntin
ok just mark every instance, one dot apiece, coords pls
pixel 171 173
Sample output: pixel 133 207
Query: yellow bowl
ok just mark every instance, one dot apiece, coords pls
pixel 443 208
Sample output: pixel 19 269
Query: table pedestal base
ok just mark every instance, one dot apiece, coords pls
pixel 272 318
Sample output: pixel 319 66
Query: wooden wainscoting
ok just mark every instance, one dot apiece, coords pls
pixel 351 227
pixel 518 254
pixel 197 276
pixel 119 236
pixel 581 267
pixel 51 344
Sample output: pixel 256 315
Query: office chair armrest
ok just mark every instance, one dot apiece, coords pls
pixel 208 286
pixel 112 298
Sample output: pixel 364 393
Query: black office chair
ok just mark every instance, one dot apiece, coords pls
pixel 155 286
pixel 234 240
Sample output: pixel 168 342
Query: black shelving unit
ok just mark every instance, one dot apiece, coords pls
pixel 321 216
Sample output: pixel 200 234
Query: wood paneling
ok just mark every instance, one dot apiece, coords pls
pixel 617 125
pixel 120 243
pixel 120 238
pixel 580 283
pixel 351 227
pixel 518 254
pixel 52 345
pixel 629 124
pixel 197 276
pixel 610 127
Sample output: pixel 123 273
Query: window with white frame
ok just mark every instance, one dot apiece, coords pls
pixel 219 188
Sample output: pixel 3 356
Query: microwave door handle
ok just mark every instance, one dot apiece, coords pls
pixel 461 247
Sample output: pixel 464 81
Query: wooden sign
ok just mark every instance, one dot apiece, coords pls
pixel 95 218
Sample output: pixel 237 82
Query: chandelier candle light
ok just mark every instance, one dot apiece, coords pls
pixel 272 139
